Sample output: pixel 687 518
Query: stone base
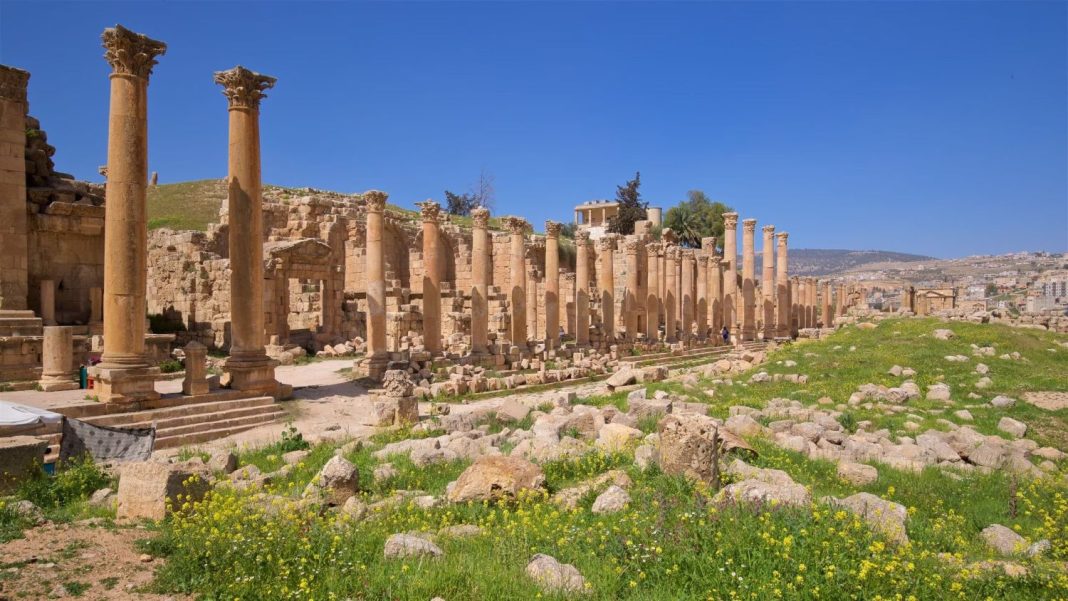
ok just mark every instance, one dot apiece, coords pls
pixel 393 411
pixel 374 368
pixel 125 384
pixel 57 384
pixel 253 376
pixel 20 323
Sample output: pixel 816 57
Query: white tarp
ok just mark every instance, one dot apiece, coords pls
pixel 13 415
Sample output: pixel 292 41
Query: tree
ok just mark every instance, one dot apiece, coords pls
pixel 567 230
pixel 991 289
pixel 481 194
pixel 631 207
pixel 695 218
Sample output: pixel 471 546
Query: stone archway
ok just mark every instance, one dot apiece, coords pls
pixel 307 260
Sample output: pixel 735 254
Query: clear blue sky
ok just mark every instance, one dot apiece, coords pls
pixel 931 127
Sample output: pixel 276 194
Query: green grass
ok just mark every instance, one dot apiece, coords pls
pixel 186 205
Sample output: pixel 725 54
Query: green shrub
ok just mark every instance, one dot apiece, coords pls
pixel 75 480
pixel 171 366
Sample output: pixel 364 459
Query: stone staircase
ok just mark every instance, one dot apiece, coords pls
pixel 194 423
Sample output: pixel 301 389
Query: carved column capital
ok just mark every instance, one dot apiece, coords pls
pixel 749 226
pixel 606 243
pixel 552 229
pixel 480 217
pixel 730 220
pixel 13 83
pixel 244 88
pixel 702 261
pixel 768 229
pixel 708 243
pixel 430 211
pixel 582 238
pixel 131 53
pixel 630 245
pixel 516 225
pixel 375 200
pixel 782 236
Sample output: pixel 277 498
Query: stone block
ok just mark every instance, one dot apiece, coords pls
pixel 146 487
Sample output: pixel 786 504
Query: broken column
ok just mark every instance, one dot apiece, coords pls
pixel 748 280
pixel 480 260
pixel 57 360
pixel 196 369
pixel 606 283
pixel 630 300
pixel 686 286
pixel 377 354
pixel 730 271
pixel 782 289
pixel 652 302
pixel 582 288
pixel 518 227
pixel 552 284
pixel 430 212
pixel 767 281
pixel 249 366
pixel 124 373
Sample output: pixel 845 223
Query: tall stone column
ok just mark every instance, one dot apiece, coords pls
pixel 813 301
pixel 661 285
pixel 652 301
pixel 803 295
pixel 841 300
pixel 48 302
pixel 430 212
pixel 14 240
pixel 248 364
pixel 582 288
pixel 124 373
pixel 480 261
pixel 630 301
pixel 701 308
pixel 827 316
pixel 552 284
pixel 518 227
pixel 730 271
pixel 782 288
pixel 715 296
pixel 767 282
pixel 57 359
pixel 377 353
pixel 606 282
pixel 748 279
pixel 671 303
pixel 687 287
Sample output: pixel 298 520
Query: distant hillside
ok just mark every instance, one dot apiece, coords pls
pixel 820 261
pixel 186 205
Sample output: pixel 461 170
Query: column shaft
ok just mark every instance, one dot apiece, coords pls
pixel 748 280
pixel 767 283
pixel 652 301
pixel 375 272
pixel 701 308
pixel 782 288
pixel 518 269
pixel 730 272
pixel 606 285
pixel 582 288
pixel 630 306
pixel 430 212
pixel 671 331
pixel 480 261
pixel 687 288
pixel 14 235
pixel 552 284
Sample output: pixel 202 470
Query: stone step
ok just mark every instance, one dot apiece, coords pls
pixel 204 417
pixel 222 420
pixel 179 440
pixel 195 408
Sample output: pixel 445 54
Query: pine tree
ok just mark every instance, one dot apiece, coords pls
pixel 631 207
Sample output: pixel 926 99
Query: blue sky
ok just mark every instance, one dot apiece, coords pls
pixel 932 127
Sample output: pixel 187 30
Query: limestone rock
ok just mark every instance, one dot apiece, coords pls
pixel 686 444
pixel 222 461
pixel 938 392
pixel 943 334
pixel 1002 402
pixel 611 500
pixel 336 482
pixel 1012 427
pixel 145 487
pixel 496 477
pixel 858 474
pixel 406 545
pixel 617 437
pixel 623 376
pixel 553 576
pixel 1004 540
pixel 512 411
pixel 884 516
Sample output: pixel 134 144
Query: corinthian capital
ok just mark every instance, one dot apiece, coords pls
pixel 768 229
pixel 244 88
pixel 749 226
pixel 131 53
pixel 429 210
pixel 552 229
pixel 480 217
pixel 782 236
pixel 607 243
pixel 630 245
pixel 516 225
pixel 730 220
pixel 13 83
pixel 375 200
pixel 582 237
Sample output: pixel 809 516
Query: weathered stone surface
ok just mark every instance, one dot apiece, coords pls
pixel 336 482
pixel 1004 540
pixel 686 444
pixel 405 545
pixel 569 497
pixel 553 576
pixel 146 486
pixel 938 392
pixel 617 437
pixel 496 477
pixel 1012 427
pixel 623 376
pixel 512 411
pixel 1002 402
pixel 613 499
pixel 222 461
pixel 765 486
pixel 886 517
pixel 857 474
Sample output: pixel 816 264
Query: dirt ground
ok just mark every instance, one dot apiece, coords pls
pixel 84 560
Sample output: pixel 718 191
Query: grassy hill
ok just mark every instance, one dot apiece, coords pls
pixel 186 205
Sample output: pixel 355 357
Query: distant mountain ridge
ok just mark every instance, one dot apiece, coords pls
pixel 822 261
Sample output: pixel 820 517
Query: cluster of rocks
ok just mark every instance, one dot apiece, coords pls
pixel 45 185
pixel 1052 320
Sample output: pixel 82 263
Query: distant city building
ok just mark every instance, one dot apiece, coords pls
pixel 1037 304
pixel 593 216
pixel 1055 287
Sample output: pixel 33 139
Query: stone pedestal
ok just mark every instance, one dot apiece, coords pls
pixel 582 288
pixel 518 284
pixel 374 366
pixel 394 404
pixel 249 366
pixel 782 289
pixel 124 373
pixel 748 280
pixel 480 261
pixel 57 371
pixel 606 285
pixel 552 285
pixel 196 370
pixel 430 212
pixel 730 271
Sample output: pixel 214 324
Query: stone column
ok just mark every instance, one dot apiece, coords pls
pixel 803 294
pixel 670 294
pixel 767 281
pixel 124 373
pixel 248 364
pixel 748 279
pixel 686 286
pixel 715 296
pixel 661 285
pixel 782 288
pixel 813 301
pixel 430 212
pixel 630 300
pixel 377 353
pixel 841 300
pixel 480 262
pixel 48 302
pixel 652 301
pixel 827 317
pixel 518 227
pixel 701 308
pixel 582 288
pixel 14 240
pixel 730 271
pixel 606 282
pixel 196 370
pixel 552 284
pixel 57 359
